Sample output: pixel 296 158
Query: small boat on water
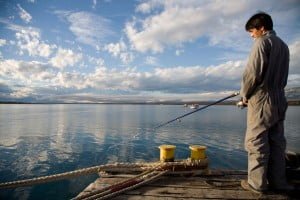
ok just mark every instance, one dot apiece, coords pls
pixel 191 106
pixel 194 106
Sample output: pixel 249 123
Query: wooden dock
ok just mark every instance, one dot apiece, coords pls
pixel 181 179
pixel 173 180
pixel 214 184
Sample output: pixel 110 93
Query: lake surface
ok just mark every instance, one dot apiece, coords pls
pixel 39 140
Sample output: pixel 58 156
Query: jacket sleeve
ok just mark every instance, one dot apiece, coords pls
pixel 255 68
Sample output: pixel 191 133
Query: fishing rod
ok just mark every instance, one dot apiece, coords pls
pixel 216 102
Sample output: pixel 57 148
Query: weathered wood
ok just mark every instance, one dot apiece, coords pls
pixel 194 193
pixel 215 185
pixel 194 188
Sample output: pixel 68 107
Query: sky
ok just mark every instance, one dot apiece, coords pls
pixel 94 51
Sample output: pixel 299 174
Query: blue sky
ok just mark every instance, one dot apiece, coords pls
pixel 138 50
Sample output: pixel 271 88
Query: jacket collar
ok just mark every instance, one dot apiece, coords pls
pixel 271 32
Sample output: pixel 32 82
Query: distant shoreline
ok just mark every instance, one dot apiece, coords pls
pixel 290 102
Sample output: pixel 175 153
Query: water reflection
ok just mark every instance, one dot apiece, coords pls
pixel 38 140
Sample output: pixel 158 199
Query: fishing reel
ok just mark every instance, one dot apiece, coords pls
pixel 240 104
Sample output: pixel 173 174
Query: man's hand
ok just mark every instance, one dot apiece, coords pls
pixel 242 103
pixel 245 101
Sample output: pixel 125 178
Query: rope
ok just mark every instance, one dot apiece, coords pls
pixel 152 169
pixel 129 184
pixel 66 175
pixel 98 191
pixel 45 179
pixel 149 166
pixel 135 186
pixel 90 170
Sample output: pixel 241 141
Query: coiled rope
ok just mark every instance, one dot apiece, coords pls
pixel 123 186
pixel 150 179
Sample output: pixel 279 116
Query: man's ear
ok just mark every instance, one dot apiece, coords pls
pixel 262 29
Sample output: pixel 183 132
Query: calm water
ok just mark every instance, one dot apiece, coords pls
pixel 38 140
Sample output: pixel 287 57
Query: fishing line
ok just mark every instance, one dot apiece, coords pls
pixel 202 108
pixel 138 133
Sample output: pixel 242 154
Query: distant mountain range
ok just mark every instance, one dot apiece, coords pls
pixel 293 93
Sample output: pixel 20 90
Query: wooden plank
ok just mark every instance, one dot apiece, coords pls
pixel 195 181
pixel 193 193
pixel 192 188
pixel 161 193
pixel 198 191
pixel 98 184
pixel 219 186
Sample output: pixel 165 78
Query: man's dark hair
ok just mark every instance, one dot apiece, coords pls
pixel 259 20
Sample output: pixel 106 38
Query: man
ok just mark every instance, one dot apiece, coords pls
pixel 263 83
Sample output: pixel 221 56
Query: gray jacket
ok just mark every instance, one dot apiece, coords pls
pixel 264 80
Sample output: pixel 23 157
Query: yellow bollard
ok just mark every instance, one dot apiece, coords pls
pixel 167 153
pixel 197 152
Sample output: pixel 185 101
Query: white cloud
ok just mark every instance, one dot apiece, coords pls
pixel 171 83
pixel 171 23
pixel 99 62
pixel 195 78
pixel 29 40
pixel 170 80
pixel 293 81
pixel 26 72
pixel 119 50
pixel 88 28
pixel 143 8
pixel 16 28
pixel 294 57
pixel 2 42
pixel 150 60
pixel 71 80
pixel 22 92
pixel 178 52
pixel 115 48
pixel 177 23
pixel 37 74
pixel 188 83
pixel 126 57
pixel 294 71
pixel 111 79
pixel 150 5
pixel 24 15
pixel 64 58
pixel 94 4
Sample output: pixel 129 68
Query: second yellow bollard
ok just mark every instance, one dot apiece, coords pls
pixel 197 152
